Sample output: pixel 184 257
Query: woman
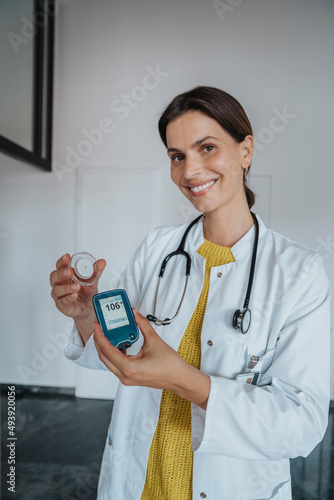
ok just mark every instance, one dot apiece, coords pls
pixel 204 411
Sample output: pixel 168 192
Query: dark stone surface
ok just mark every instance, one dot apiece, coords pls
pixel 60 441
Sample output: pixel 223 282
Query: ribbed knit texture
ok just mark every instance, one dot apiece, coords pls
pixel 170 463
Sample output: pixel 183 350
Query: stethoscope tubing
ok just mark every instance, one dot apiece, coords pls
pixel 240 316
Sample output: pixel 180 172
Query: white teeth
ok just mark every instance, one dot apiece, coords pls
pixel 200 188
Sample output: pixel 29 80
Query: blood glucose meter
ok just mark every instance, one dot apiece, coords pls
pixel 114 313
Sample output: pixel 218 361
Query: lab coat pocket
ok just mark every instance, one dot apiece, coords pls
pixel 265 361
pixel 256 372
pixel 223 357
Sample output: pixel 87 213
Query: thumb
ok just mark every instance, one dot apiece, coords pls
pixel 101 264
pixel 145 326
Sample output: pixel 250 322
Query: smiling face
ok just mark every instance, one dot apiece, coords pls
pixel 207 164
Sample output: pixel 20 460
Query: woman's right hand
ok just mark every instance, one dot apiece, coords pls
pixel 71 298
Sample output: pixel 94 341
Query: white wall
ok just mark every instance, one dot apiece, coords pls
pixel 272 56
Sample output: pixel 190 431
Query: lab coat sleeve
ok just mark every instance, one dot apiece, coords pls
pixel 288 416
pixel 131 281
pixel 81 354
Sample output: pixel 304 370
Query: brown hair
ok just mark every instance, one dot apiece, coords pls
pixel 216 104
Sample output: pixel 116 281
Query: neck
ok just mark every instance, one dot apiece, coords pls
pixel 227 227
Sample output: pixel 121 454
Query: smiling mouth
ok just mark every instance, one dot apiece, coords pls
pixel 198 189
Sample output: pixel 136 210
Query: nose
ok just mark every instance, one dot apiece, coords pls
pixel 191 168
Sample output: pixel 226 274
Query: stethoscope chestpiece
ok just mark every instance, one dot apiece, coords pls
pixel 151 318
pixel 241 320
pixel 157 321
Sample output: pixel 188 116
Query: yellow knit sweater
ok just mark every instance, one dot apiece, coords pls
pixel 170 463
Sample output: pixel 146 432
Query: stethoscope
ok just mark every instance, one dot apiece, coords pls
pixel 241 319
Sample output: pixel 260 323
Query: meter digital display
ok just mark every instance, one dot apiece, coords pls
pixel 114 313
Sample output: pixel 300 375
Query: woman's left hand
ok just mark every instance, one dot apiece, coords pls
pixel 156 365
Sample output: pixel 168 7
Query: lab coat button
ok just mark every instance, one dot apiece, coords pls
pixel 210 343
pixel 203 495
pixel 219 275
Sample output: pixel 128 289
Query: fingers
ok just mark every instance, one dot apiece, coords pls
pixel 63 261
pixel 64 303
pixel 64 273
pixel 103 344
pixel 98 330
pixel 61 290
pixel 62 276
pixel 71 298
pixel 64 290
pixel 108 354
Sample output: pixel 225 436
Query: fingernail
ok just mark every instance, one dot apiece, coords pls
pixel 63 257
pixel 73 295
pixel 135 310
pixel 74 286
pixel 65 273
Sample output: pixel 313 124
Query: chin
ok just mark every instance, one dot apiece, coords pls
pixel 203 207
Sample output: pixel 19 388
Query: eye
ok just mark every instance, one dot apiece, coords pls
pixel 208 147
pixel 177 158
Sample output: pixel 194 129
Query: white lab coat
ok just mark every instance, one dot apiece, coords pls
pixel 243 441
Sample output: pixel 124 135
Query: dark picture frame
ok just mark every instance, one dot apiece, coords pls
pixel 43 60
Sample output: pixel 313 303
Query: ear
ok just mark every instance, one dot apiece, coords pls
pixel 246 149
